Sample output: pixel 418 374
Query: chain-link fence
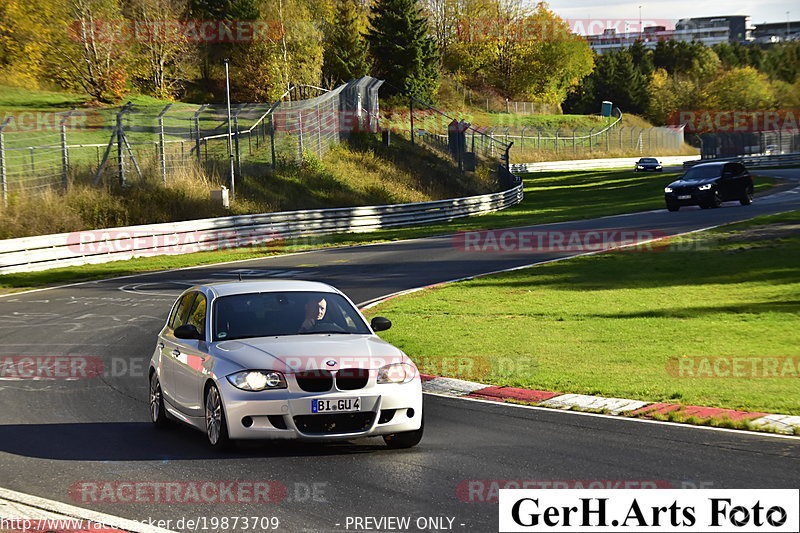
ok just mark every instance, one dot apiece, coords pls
pixel 575 141
pixel 163 141
pixel 309 127
pixel 472 149
pixel 732 144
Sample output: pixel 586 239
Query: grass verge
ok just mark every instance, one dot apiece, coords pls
pixel 549 197
pixel 623 324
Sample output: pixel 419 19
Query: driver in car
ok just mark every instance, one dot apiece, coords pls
pixel 317 318
pixel 315 312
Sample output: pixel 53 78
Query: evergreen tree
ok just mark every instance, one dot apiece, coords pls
pixel 404 54
pixel 345 55
pixel 642 58
pixel 629 84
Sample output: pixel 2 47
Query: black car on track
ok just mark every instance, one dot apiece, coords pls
pixel 710 184
pixel 648 163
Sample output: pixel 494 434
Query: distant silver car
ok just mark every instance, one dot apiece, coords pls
pixel 281 360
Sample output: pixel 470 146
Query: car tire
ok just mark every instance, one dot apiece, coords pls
pixel 404 439
pixel 216 424
pixel 158 414
pixel 715 201
pixel 747 199
pixel 673 207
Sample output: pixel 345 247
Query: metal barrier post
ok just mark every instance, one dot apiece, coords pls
pixel 3 182
pixel 64 153
pixel 161 146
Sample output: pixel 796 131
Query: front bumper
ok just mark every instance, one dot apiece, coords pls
pixel 695 197
pixel 286 413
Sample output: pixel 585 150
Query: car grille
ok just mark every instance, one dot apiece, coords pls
pixel 334 423
pixel 322 380
pixel 352 378
pixel 314 380
pixel 684 190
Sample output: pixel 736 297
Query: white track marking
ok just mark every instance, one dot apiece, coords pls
pixel 41 508
pixel 619 418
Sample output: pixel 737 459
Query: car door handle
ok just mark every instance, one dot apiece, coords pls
pixel 176 352
pixel 160 345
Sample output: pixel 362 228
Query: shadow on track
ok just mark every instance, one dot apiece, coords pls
pixel 139 441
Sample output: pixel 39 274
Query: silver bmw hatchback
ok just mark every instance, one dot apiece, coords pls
pixel 281 360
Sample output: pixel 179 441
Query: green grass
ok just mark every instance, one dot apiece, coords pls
pixel 549 197
pixel 609 324
pixel 22 98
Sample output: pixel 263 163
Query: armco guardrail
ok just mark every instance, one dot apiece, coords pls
pixel 99 246
pixel 586 164
pixel 752 160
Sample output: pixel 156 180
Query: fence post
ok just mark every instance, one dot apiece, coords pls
pixel 591 133
pixel 120 151
pixel 196 124
pixel 64 153
pixel 538 138
pixel 319 132
pixel 620 137
pixel 3 180
pixel 236 144
pixel 300 128
pixel 161 146
pixel 557 141
pixel 522 135
pixel 33 160
pixel 271 139
pixel 411 115
pixel 574 132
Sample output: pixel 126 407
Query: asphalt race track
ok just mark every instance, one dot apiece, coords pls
pixel 55 434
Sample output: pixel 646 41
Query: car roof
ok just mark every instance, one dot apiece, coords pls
pixel 715 163
pixel 227 288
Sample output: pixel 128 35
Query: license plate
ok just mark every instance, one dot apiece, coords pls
pixel 684 197
pixel 338 405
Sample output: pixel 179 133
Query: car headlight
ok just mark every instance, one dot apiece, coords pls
pixel 639 166
pixel 658 166
pixel 667 189
pixel 396 373
pixel 257 380
pixel 704 187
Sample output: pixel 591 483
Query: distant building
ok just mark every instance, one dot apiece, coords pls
pixel 611 40
pixel 706 30
pixel 776 32
pixel 714 30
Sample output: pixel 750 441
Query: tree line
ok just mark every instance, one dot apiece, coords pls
pixel 175 49
pixel 691 76
pixel 161 47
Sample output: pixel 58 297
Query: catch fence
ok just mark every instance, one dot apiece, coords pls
pixel 134 142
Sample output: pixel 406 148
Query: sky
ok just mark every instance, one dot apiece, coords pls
pixel 672 10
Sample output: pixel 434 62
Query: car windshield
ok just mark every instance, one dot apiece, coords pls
pixel 702 173
pixel 647 160
pixel 270 314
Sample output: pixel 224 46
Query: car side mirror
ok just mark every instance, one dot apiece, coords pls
pixel 380 323
pixel 188 332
